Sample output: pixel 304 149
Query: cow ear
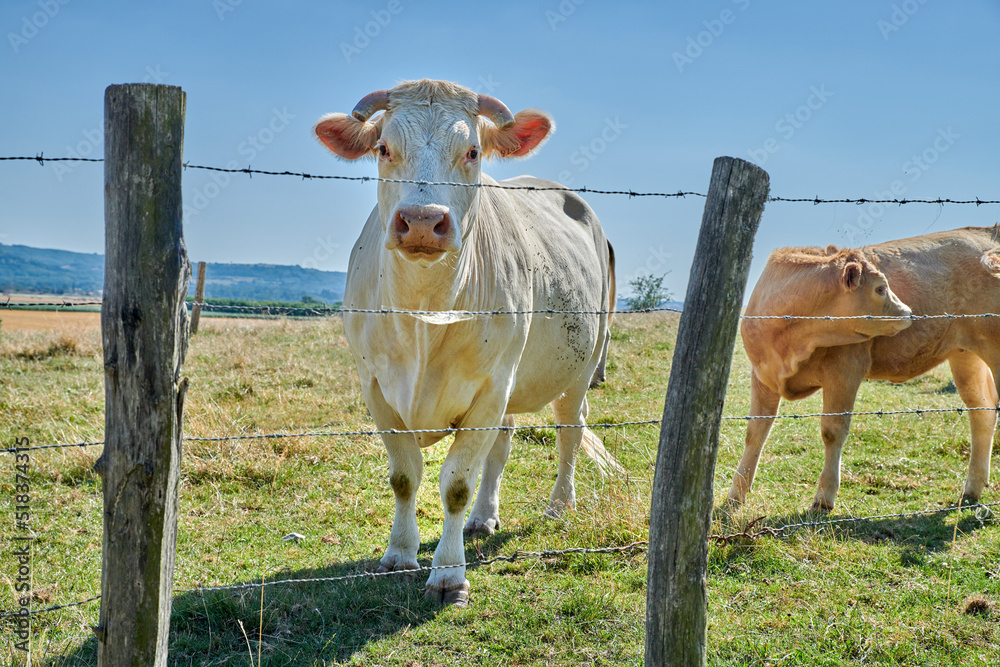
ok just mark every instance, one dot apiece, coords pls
pixel 852 276
pixel 347 136
pixel 530 129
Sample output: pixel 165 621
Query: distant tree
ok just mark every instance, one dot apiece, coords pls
pixel 647 292
pixel 308 299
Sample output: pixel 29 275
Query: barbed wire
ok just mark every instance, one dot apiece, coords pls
pixel 901 202
pixel 982 511
pixel 458 315
pixel 532 427
pixel 41 159
pixel 53 608
pixel 10 305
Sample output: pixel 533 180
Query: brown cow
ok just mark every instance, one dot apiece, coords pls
pixel 955 272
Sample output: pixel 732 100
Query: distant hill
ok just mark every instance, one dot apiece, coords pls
pixel 37 270
pixel 44 271
pixel 270 282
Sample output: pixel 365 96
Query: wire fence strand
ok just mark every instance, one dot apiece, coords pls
pixel 41 159
pixel 982 511
pixel 451 316
pixel 532 427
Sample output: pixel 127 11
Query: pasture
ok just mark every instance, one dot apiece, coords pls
pixel 922 590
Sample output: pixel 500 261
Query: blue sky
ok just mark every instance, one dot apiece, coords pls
pixel 837 100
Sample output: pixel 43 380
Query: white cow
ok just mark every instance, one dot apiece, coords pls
pixel 455 248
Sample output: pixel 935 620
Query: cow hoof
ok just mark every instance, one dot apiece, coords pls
pixel 457 596
pixel 821 508
pixel 557 510
pixel 397 564
pixel 478 527
pixel 968 501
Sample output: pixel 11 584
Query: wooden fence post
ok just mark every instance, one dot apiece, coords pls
pixel 681 508
pixel 199 297
pixel 144 331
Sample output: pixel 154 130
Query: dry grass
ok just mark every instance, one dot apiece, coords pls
pixel 900 591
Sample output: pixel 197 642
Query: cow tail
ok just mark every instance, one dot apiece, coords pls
pixel 597 379
pixel 594 448
pixel 612 295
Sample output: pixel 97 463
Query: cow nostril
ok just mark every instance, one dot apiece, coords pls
pixel 400 224
pixel 442 227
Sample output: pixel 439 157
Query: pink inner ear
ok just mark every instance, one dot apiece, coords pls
pixel 346 136
pixel 530 130
pixel 852 275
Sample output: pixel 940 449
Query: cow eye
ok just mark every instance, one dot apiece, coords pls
pixel 383 150
pixel 881 290
pixel 472 154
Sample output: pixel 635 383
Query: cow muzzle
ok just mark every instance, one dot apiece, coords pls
pixel 903 312
pixel 422 232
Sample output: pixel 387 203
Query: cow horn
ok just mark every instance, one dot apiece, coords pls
pixel 370 103
pixel 495 110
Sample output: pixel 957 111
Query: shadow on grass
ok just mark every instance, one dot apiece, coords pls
pixel 925 533
pixel 303 623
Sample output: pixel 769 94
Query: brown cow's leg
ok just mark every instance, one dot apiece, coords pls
pixel 484 519
pixel 978 389
pixel 840 389
pixel 764 402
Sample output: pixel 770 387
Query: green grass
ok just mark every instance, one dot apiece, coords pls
pixel 899 591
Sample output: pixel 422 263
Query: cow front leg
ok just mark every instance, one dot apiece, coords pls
pixel 458 479
pixel 406 466
pixel 840 390
pixel 485 516
pixel 763 403
pixel 977 386
pixel 406 463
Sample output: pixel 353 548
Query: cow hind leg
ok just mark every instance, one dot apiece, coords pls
pixel 485 516
pixel 763 403
pixel 571 410
pixel 977 386
pixel 600 372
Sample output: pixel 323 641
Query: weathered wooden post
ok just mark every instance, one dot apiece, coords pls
pixel 144 331
pixel 681 508
pixel 199 297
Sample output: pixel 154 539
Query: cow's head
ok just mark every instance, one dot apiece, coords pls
pixel 431 131
pixel 863 290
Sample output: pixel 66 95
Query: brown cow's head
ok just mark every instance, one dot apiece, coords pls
pixel 431 131
pixel 864 290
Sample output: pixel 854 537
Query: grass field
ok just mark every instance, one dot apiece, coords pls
pixel 896 591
